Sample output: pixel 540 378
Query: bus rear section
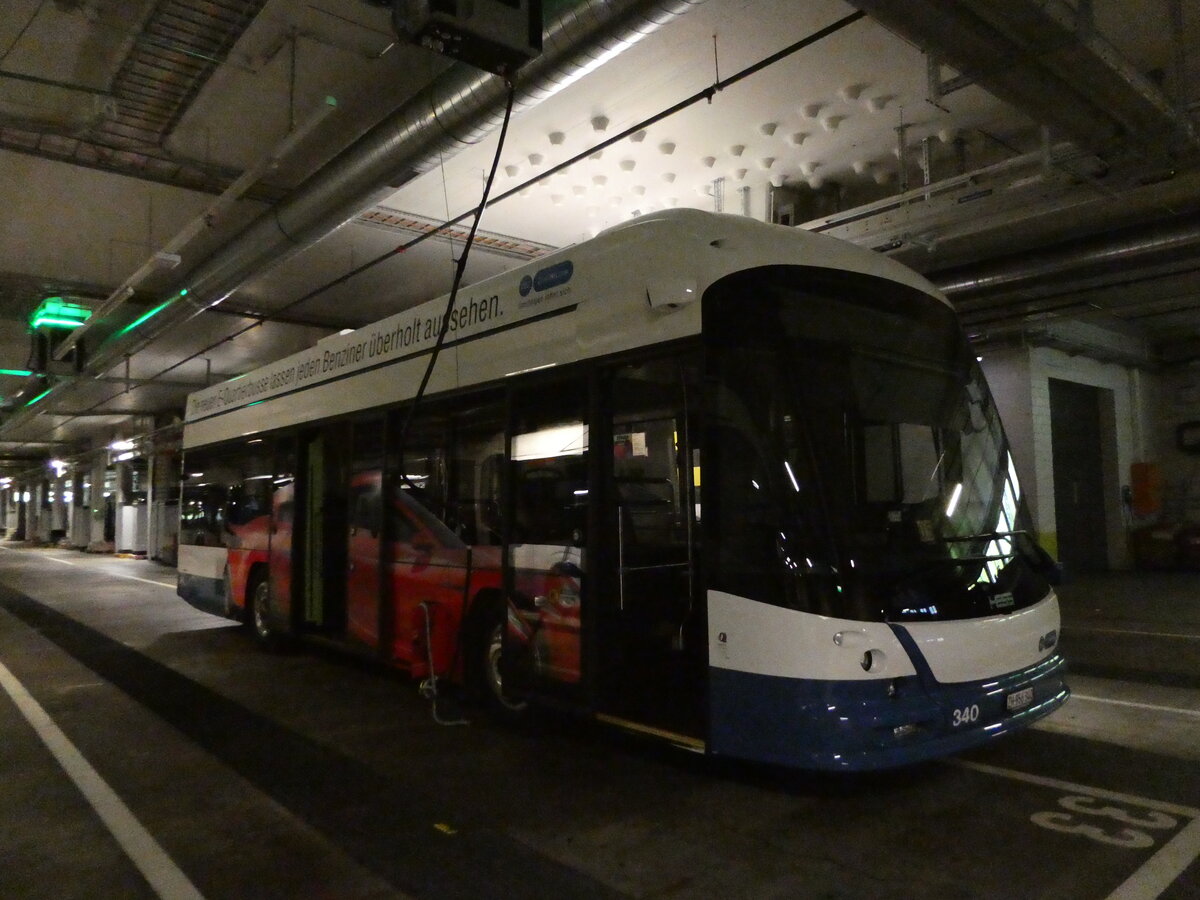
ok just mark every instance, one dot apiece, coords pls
pixel 302 534
pixel 225 523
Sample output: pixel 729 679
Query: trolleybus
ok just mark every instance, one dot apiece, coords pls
pixel 736 485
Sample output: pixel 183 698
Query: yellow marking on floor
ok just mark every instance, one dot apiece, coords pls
pixel 682 739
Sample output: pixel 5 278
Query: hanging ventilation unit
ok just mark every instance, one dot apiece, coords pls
pixel 495 35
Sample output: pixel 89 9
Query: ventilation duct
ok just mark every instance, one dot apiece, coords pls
pixel 1144 246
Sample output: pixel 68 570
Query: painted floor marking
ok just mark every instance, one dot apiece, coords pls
pixel 1160 871
pixel 1072 787
pixel 1162 634
pixel 1075 695
pixel 167 880
pixel 67 562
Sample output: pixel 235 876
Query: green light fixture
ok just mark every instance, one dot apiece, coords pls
pixel 20 373
pixel 154 312
pixel 55 312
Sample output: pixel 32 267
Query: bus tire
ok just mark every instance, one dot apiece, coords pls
pixel 259 616
pixel 485 681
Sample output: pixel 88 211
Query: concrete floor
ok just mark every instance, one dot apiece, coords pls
pixel 306 774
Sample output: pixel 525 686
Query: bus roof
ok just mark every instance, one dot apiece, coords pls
pixel 634 284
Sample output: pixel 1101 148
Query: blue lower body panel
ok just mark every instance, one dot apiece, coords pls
pixel 873 724
pixel 207 594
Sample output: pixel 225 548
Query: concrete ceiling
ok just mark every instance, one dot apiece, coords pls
pixel 1039 162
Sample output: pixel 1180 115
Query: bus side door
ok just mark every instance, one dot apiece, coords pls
pixel 653 645
pixel 429 571
pixel 546 529
pixel 362 552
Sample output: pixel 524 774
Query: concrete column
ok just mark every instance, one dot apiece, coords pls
pixel 41 511
pixel 79 522
pixel 22 522
pixel 152 513
pixel 131 531
pixel 96 541
pixel 124 537
pixel 163 502
pixel 60 510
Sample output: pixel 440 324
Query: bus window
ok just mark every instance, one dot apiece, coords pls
pixel 364 580
pixel 417 457
pixel 474 463
pixel 366 506
pixel 901 463
pixel 225 493
pixel 549 499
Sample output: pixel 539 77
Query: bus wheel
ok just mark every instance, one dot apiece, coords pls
pixel 488 680
pixel 260 602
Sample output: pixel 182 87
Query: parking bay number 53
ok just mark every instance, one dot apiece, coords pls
pixel 1083 811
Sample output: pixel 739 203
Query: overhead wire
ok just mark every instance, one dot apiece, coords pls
pixel 20 34
pixel 458 276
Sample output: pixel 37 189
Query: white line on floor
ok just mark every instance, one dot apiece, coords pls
pixel 1161 870
pixel 1072 787
pixel 67 562
pixel 1158 872
pixel 167 880
pixel 1075 695
pixel 1163 634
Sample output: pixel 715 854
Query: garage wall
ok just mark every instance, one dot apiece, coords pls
pixel 1008 374
pixel 1180 402
pixel 1020 379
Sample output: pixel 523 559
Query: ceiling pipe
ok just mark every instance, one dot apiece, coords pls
pixel 458 108
pixel 1032 54
pixel 1058 155
pixel 1132 246
pixel 198 224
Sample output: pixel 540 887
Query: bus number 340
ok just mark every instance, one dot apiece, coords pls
pixel 965 716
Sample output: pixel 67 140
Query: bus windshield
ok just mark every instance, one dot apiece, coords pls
pixel 861 469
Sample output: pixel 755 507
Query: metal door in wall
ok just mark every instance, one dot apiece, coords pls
pixel 1076 439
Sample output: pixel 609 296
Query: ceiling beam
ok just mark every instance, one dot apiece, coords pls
pixel 1044 59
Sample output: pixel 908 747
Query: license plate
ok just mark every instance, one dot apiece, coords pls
pixel 1019 699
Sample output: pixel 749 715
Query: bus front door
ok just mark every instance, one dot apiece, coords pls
pixel 652 643
pixel 322 565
